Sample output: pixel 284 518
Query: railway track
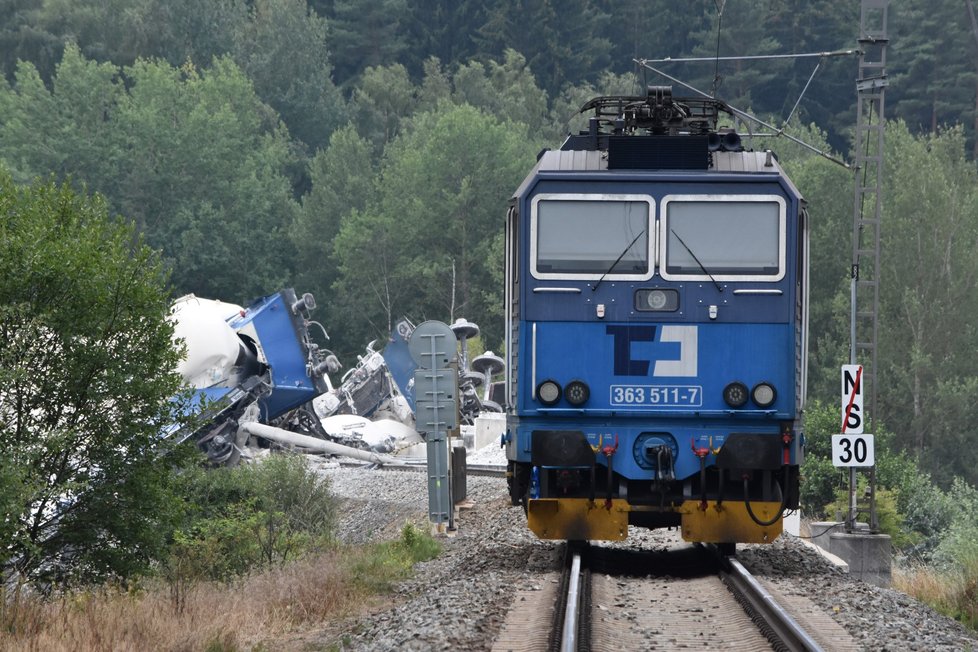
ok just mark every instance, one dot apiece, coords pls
pixel 614 599
pixel 490 470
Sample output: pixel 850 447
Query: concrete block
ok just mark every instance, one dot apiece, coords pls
pixel 869 555
pixel 489 428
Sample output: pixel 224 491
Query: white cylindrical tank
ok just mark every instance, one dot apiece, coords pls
pixel 212 345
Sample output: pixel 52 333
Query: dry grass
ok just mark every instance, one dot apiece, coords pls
pixel 192 616
pixel 953 593
pixel 925 584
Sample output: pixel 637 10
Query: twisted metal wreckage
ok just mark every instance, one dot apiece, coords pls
pixel 258 380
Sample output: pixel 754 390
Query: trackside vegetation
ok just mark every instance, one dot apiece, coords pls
pixel 934 531
pixel 114 538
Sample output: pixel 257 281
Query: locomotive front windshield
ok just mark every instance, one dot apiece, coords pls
pixel 727 238
pixel 585 237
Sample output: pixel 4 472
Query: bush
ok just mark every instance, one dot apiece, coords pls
pixel 250 516
pixel 385 563
pixel 419 545
pixel 958 547
pixel 891 521
pixel 820 480
pixel 911 508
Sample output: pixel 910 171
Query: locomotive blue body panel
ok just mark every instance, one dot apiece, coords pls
pixel 654 316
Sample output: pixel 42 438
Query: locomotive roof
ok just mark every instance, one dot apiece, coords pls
pixel 746 162
pixel 587 161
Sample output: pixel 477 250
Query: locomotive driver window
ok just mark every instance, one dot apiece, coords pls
pixel 585 237
pixel 726 238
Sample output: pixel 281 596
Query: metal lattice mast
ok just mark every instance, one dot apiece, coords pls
pixel 867 211
pixel 868 160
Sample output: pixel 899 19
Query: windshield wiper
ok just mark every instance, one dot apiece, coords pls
pixel 686 246
pixel 618 260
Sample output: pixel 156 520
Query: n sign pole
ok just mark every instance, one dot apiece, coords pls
pixel 854 448
pixel 852 422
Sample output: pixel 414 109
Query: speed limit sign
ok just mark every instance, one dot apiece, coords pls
pixel 853 450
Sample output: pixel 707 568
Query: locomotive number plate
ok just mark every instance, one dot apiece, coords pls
pixel 657 396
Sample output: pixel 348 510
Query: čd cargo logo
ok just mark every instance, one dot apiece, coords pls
pixel 674 351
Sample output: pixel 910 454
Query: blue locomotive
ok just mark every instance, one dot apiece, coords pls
pixel 656 310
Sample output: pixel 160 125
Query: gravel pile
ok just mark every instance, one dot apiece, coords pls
pixel 459 600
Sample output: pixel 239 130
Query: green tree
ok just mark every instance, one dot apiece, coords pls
pixel 744 84
pixel 442 30
pixel 23 38
pixel 423 246
pixel 121 31
pixel 807 26
pixel 639 29
pixel 283 50
pixel 205 178
pixel 827 188
pixel 384 97
pixel 507 90
pixel 193 156
pixel 342 181
pixel 562 41
pixel 67 129
pixel 933 72
pixel 927 321
pixel 242 518
pixel 365 34
pixel 959 545
pixel 87 368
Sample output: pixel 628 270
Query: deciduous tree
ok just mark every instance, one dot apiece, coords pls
pixel 423 243
pixel 86 370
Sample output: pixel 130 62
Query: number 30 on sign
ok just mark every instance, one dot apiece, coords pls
pixel 853 450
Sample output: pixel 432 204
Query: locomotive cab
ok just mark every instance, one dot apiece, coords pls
pixel 656 306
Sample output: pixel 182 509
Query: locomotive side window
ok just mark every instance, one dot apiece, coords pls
pixel 727 237
pixel 580 237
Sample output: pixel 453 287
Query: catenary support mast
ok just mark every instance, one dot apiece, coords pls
pixel 867 211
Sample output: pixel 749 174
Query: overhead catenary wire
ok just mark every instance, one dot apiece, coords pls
pixel 754 57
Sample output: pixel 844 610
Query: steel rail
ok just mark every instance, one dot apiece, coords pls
pixel 568 636
pixel 775 621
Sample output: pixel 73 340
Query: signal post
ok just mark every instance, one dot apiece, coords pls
pixel 865 550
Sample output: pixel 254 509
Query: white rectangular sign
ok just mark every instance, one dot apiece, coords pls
pixel 853 450
pixel 852 399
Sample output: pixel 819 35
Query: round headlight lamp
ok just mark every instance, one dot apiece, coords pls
pixel 763 394
pixel 657 299
pixel 735 394
pixel 577 392
pixel 548 392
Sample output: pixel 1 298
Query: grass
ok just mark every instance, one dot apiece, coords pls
pixel 952 592
pixel 315 593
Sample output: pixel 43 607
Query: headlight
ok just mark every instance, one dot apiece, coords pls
pixel 577 392
pixel 763 394
pixel 548 392
pixel 735 394
pixel 657 300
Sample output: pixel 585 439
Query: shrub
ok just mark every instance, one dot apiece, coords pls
pixel 958 547
pixel 249 516
pixel 384 563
